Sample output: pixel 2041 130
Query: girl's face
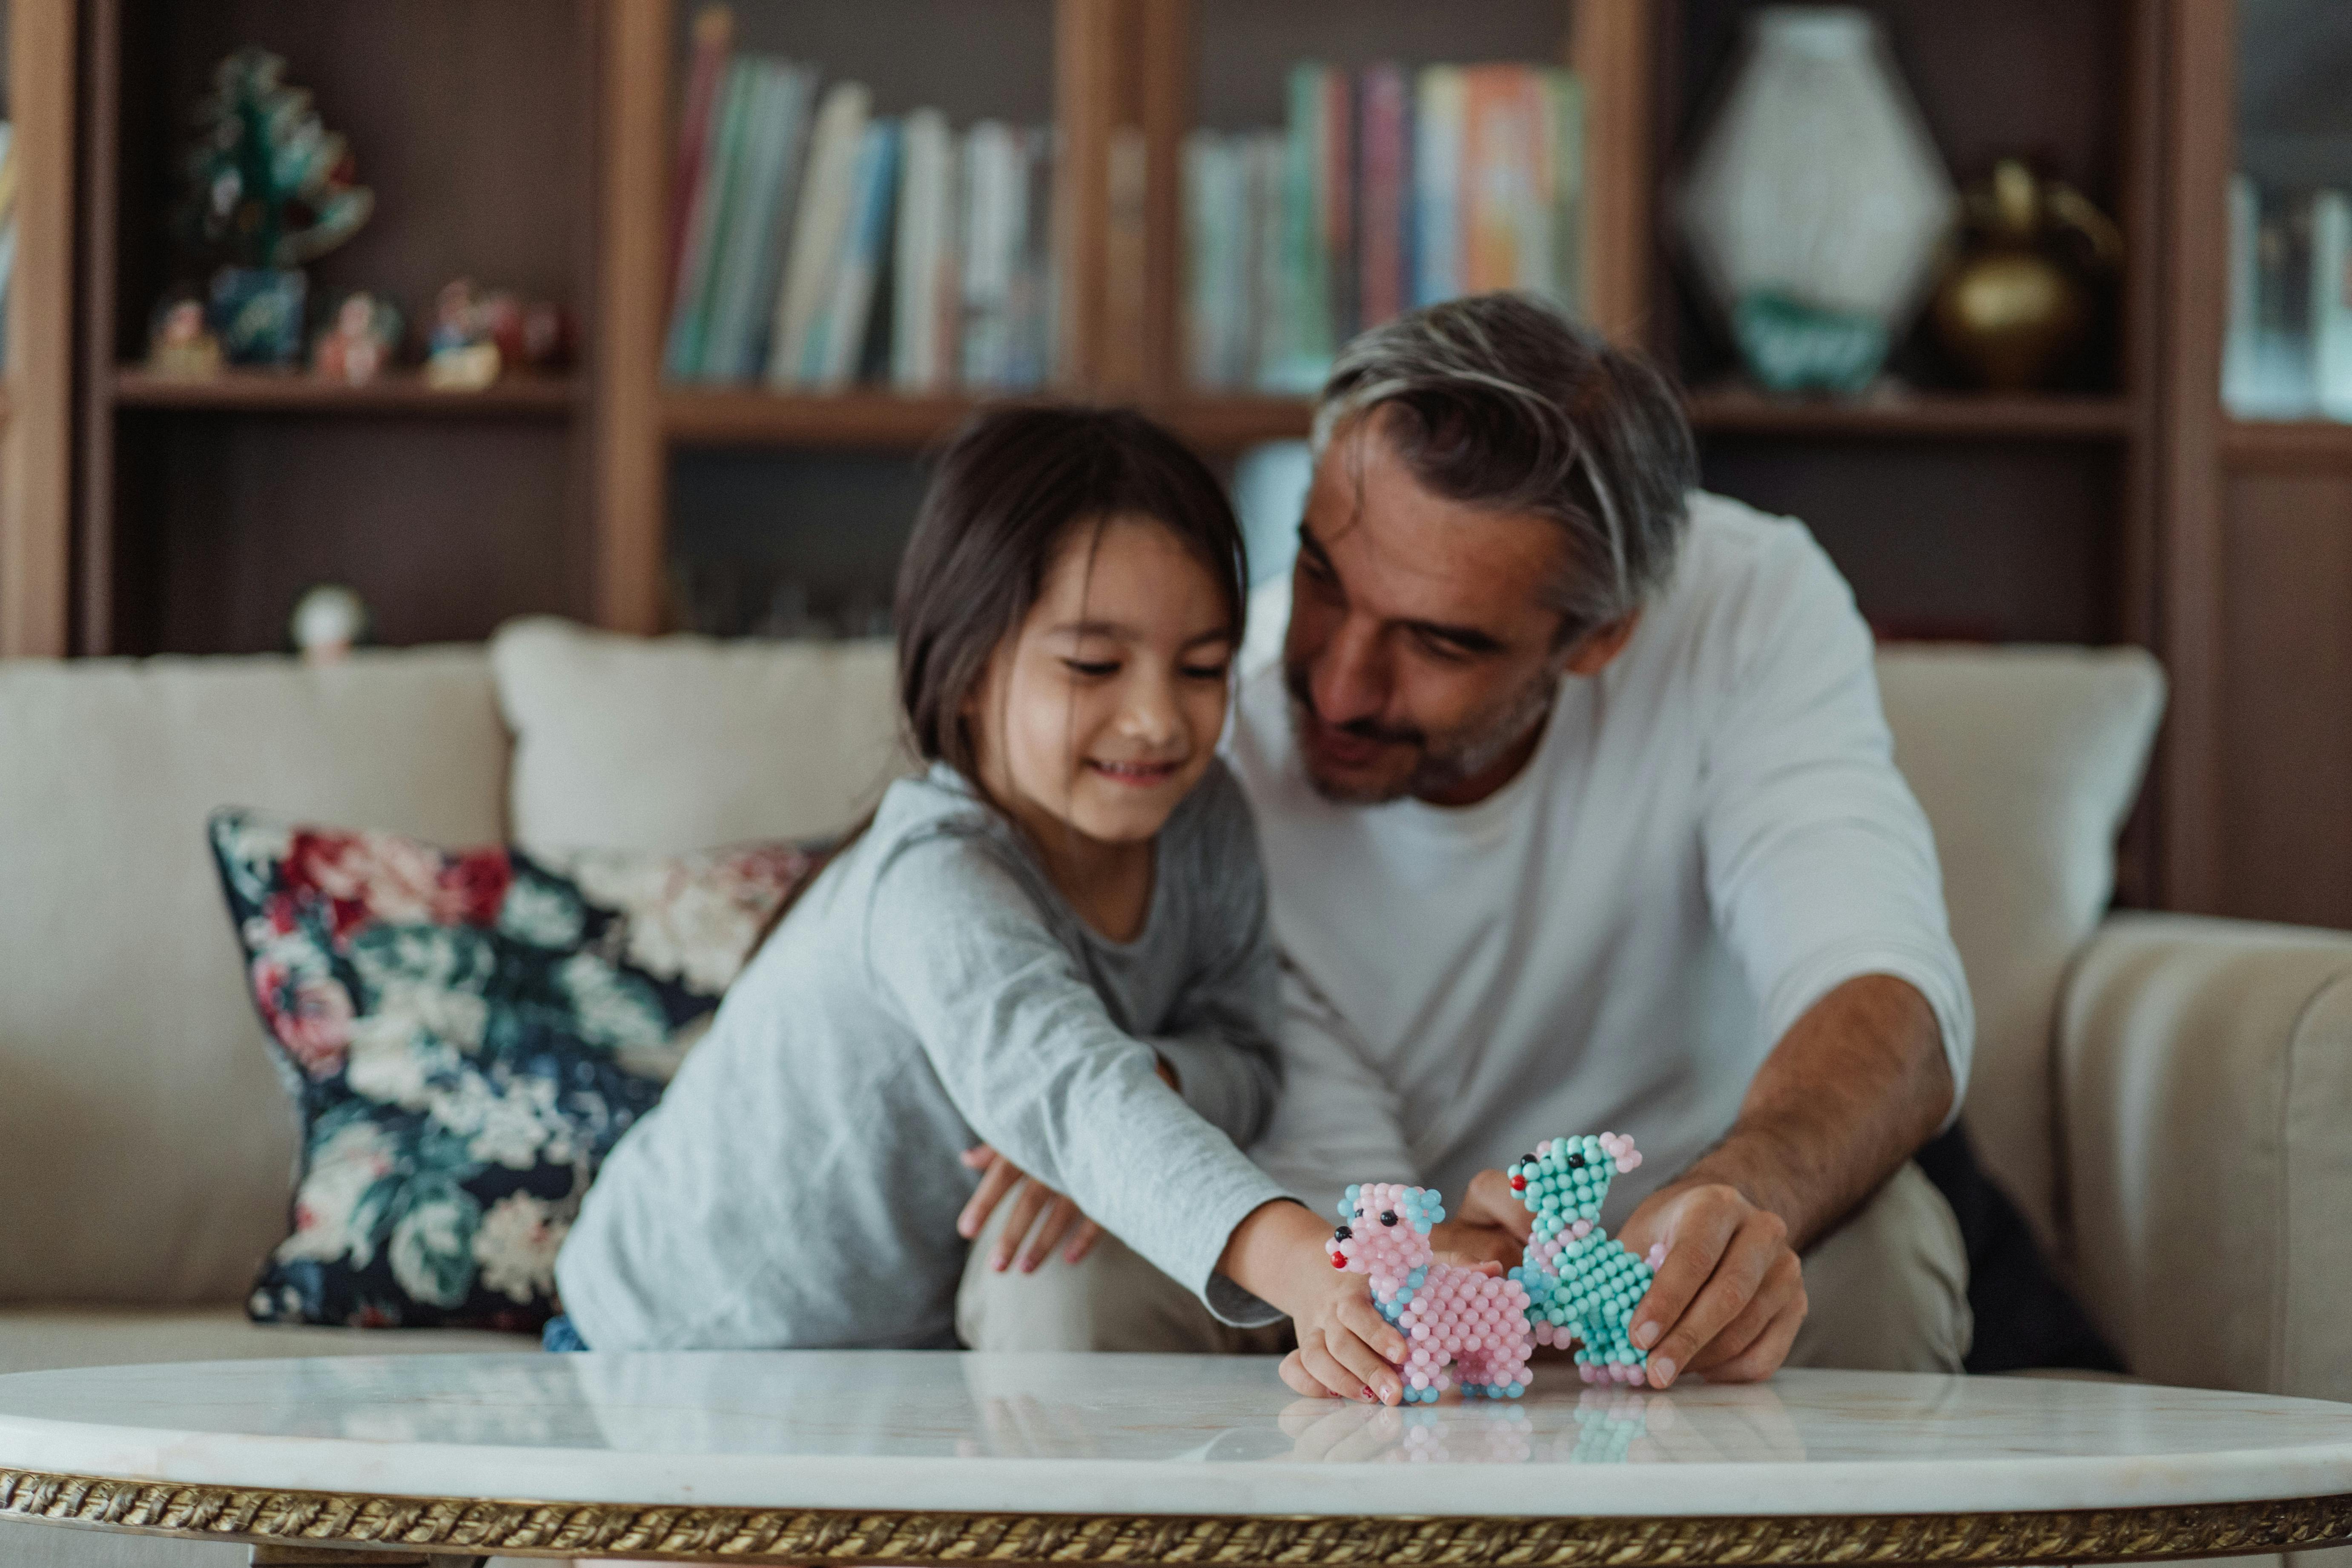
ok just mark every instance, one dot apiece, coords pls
pixel 1103 710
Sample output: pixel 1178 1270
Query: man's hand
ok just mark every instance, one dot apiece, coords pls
pixel 1730 1295
pixel 1490 1227
pixel 1031 1200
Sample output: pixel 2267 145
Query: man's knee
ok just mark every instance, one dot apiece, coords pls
pixel 1888 1291
pixel 1111 1301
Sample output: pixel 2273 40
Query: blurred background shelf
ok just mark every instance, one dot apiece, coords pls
pixel 732 417
pixel 2317 443
pixel 2047 416
pixel 399 391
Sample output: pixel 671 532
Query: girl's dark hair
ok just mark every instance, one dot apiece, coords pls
pixel 1010 488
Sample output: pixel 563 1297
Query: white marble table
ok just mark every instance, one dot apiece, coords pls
pixel 928 1458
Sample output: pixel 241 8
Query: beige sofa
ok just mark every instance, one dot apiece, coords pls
pixel 2166 1098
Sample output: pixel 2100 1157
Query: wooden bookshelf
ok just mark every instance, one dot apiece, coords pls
pixel 296 392
pixel 744 417
pixel 2126 508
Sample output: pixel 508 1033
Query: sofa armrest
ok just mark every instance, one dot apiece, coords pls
pixel 2205 1118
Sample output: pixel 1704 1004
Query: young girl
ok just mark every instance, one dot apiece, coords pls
pixel 1054 942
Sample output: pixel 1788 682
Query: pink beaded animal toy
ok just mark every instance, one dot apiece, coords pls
pixel 1583 1286
pixel 1464 1326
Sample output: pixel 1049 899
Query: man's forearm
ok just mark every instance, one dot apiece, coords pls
pixel 1853 1088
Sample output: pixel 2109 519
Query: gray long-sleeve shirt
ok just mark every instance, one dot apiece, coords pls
pixel 799 1182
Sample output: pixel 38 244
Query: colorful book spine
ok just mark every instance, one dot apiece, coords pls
pixel 1034 295
pixel 923 269
pixel 995 200
pixel 819 228
pixel 1436 183
pixel 714 39
pixel 865 249
pixel 2331 303
pixel 742 282
pixel 1301 319
pixel 1385 164
pixel 1336 193
pixel 722 168
pixel 1564 95
pixel 1504 180
pixel 1266 167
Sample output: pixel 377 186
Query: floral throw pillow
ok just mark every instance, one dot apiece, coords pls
pixel 465 1034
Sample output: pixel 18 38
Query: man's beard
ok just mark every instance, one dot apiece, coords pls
pixel 1445 763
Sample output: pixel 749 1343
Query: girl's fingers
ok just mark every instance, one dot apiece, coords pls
pixel 1088 1233
pixel 1027 1201
pixel 1301 1381
pixel 1361 1318
pixel 1371 1372
pixel 1060 1215
pixel 1325 1369
pixel 999 1179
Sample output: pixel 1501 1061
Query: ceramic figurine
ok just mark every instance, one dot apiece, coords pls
pixel 463 352
pixel 1816 201
pixel 329 621
pixel 2018 301
pixel 359 340
pixel 269 188
pixel 178 341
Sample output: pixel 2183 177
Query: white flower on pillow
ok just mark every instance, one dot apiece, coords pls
pixel 517 1244
pixel 540 912
pixel 395 1060
pixel 692 917
pixel 432 1247
pixel 610 1008
pixel 328 1221
pixel 514 1124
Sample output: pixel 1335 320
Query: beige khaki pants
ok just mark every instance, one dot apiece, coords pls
pixel 1889 1292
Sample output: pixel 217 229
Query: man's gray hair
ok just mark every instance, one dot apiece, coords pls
pixel 1500 400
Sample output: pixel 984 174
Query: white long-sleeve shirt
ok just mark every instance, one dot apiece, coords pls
pixel 1710 835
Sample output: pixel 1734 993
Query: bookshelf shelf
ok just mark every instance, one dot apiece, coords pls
pixel 746 416
pixel 295 393
pixel 2287 444
pixel 1740 411
pixel 1220 423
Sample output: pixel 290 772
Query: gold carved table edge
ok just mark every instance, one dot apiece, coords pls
pixel 427 1530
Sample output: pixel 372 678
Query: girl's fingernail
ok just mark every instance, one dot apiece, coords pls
pixel 998 1262
pixel 1369 1393
pixel 1029 1265
pixel 1070 1255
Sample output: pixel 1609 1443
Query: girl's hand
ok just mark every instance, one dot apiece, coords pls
pixel 1031 1199
pixel 1345 1348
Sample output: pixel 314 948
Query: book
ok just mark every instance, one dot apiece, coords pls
pixel 1382 165
pixel 1267 167
pixel 2240 389
pixel 996 177
pixel 1300 321
pixel 1564 93
pixel 1438 104
pixel 841 332
pixel 1031 340
pixel 714 39
pixel 1505 181
pixel 690 317
pixel 743 282
pixel 819 226
pixel 2331 303
pixel 923 279
pixel 1218 280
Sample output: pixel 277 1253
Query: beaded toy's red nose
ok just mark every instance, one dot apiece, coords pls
pixel 1338 1261
pixel 1518 1184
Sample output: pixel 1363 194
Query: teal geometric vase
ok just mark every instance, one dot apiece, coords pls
pixel 1790 346
pixel 257 313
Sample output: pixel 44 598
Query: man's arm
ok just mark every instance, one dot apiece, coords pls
pixel 1859 1082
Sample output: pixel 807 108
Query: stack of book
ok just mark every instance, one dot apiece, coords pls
pixel 815 244
pixel 1385 190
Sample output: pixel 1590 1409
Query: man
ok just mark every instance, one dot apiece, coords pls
pixel 1580 812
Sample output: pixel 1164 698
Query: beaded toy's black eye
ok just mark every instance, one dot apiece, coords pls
pixel 1343 1233
pixel 1526 1158
pixel 1576 1162
pixel 1388 1216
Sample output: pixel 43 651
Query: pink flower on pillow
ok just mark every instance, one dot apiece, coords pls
pixel 383 877
pixel 310 1013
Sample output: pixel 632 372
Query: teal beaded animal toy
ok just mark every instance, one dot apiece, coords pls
pixel 1580 1284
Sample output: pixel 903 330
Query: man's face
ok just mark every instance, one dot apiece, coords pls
pixel 1422 657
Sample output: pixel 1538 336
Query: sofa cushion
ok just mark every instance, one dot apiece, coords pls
pixel 145 1153
pixel 466 1034
pixel 679 742
pixel 2027 760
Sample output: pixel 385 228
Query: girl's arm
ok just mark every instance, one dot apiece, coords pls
pixel 1025 1048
